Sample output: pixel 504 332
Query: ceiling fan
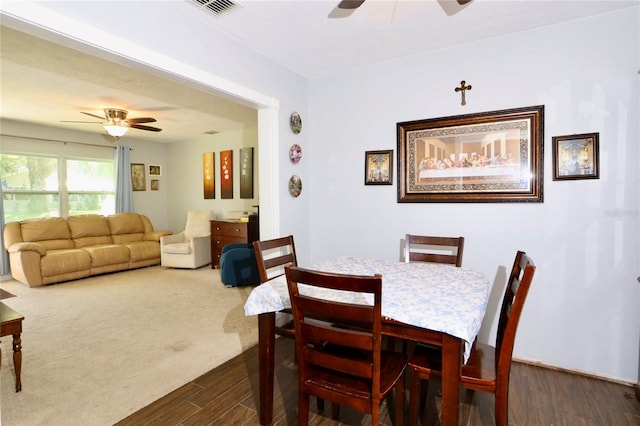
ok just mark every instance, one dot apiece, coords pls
pixel 354 4
pixel 115 122
pixel 346 7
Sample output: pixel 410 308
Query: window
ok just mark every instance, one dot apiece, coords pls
pixel 46 186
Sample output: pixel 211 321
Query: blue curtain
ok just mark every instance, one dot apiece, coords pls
pixel 4 265
pixel 124 191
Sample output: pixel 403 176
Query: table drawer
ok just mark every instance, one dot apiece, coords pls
pixel 237 230
pixel 219 241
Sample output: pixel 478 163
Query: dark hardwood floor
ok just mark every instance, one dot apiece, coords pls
pixel 228 395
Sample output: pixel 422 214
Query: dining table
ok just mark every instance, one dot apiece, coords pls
pixel 430 303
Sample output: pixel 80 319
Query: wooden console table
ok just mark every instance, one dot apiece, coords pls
pixel 228 231
pixel 11 325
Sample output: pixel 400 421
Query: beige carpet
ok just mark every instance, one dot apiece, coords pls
pixel 98 349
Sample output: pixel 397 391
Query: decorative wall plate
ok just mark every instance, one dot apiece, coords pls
pixel 295 122
pixel 295 186
pixel 295 153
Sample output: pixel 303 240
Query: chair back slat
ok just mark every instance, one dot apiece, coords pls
pixel 512 305
pixel 355 367
pixel 273 255
pixel 315 308
pixel 423 248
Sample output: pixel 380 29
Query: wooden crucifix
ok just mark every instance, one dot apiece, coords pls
pixel 462 89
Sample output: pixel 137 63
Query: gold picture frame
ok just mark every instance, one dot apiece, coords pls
pixel 138 177
pixel 155 170
pixel 576 156
pixel 378 167
pixel 484 157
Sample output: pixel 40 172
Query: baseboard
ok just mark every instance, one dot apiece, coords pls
pixel 572 371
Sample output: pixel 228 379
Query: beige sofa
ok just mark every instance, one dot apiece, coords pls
pixel 52 250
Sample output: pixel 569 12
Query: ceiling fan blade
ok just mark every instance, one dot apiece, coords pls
pixel 350 4
pixel 451 7
pixel 93 115
pixel 142 127
pixel 141 120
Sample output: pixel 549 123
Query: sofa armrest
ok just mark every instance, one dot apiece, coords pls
pixel 24 259
pixel 201 241
pixel 172 239
pixel 18 247
pixel 156 235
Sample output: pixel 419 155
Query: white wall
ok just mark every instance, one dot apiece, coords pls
pixel 583 309
pixel 184 175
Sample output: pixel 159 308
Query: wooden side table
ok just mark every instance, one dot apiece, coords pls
pixel 11 324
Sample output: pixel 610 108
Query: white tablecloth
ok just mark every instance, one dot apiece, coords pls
pixel 427 295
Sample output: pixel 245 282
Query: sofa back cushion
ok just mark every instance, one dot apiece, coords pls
pixel 126 227
pixel 89 230
pixel 52 232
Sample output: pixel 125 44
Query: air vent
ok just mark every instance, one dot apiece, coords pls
pixel 217 7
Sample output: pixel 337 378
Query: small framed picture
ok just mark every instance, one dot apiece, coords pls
pixel 138 178
pixel 378 167
pixel 576 157
pixel 155 184
pixel 155 170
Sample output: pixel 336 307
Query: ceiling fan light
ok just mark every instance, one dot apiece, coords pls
pixel 115 130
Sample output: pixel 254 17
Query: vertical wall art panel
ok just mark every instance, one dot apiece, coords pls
pixel 246 173
pixel 226 174
pixel 208 176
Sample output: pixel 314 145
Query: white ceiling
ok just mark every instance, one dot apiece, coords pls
pixel 48 83
pixel 300 36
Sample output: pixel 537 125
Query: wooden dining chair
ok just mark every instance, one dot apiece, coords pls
pixel 349 368
pixel 272 256
pixel 423 248
pixel 488 367
pixel 434 249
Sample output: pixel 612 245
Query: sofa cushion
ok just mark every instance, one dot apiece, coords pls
pixel 53 233
pixel 107 254
pixel 143 250
pixel 89 230
pixel 126 227
pixel 59 262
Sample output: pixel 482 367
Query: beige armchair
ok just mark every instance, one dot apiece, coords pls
pixel 190 248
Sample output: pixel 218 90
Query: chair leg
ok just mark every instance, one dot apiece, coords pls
pixel 502 407
pixel 335 411
pixel 414 397
pixel 303 409
pixel 400 402
pixel 375 416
